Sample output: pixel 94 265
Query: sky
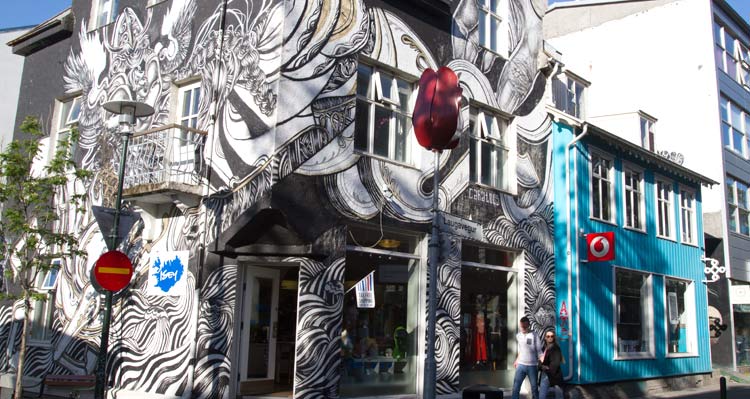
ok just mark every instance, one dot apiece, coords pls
pixel 15 13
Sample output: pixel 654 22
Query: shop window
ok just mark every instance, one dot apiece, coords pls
pixel 602 187
pixel 490 152
pixel 383 121
pixel 493 28
pixel 664 219
pixel 633 311
pixel 634 199
pixel 379 340
pixel 680 312
pixel 489 315
pixel 687 217
pixel 103 12
pixel 43 309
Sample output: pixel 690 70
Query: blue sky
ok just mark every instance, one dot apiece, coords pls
pixel 15 13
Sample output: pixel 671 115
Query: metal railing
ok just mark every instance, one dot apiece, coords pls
pixel 167 154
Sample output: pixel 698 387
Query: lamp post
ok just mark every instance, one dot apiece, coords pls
pixel 127 111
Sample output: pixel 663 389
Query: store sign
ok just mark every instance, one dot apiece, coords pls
pixel 365 290
pixel 600 246
pixel 564 327
pixel 740 294
pixel 460 227
pixel 167 273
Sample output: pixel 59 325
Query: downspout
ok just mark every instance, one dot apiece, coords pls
pixel 573 204
pixel 202 252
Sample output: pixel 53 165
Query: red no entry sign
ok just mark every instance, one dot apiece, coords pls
pixel 113 271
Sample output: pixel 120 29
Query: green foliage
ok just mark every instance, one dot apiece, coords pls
pixel 37 200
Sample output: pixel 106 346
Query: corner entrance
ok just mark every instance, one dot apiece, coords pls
pixel 267 330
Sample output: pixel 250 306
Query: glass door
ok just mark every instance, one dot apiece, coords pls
pixel 258 329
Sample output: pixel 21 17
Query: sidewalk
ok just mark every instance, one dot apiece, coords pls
pixel 734 391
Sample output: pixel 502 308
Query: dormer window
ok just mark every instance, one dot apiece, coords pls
pixel 568 94
pixel 647 131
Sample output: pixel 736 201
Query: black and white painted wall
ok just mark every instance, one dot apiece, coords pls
pixel 278 84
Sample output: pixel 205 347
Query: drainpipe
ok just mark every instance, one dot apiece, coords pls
pixel 573 204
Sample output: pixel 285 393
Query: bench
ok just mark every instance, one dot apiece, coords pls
pixel 76 383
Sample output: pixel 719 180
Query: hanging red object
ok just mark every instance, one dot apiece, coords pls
pixel 435 116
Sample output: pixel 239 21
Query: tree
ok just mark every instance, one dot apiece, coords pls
pixel 36 196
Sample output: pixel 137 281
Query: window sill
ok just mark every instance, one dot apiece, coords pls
pixel 633 229
pixel 94 29
pixel 739 235
pixel 635 356
pixel 735 152
pixel 39 343
pixel 603 221
pixel 386 159
pixel 155 2
pixel 666 238
pixel 690 244
pixel 681 355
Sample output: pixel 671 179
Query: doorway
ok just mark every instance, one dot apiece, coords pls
pixel 267 331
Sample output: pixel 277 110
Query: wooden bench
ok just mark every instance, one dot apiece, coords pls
pixel 76 383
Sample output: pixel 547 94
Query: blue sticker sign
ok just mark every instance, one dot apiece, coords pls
pixel 167 275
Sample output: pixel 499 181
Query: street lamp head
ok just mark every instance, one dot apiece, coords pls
pixel 128 111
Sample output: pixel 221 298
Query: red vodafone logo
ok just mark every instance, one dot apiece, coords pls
pixel 113 271
pixel 600 246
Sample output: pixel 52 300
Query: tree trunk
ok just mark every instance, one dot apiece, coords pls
pixel 22 350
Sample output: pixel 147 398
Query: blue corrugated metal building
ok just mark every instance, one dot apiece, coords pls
pixel 642 314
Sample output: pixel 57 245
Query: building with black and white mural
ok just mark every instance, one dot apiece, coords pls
pixel 280 166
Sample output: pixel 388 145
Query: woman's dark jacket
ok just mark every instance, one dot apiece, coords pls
pixel 552 361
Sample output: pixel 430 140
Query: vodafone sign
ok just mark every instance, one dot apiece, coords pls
pixel 600 246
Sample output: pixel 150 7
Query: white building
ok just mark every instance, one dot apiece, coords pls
pixel 11 67
pixel 673 76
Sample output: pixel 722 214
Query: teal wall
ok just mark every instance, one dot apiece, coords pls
pixel 633 250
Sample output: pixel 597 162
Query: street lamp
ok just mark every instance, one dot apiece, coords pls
pixel 128 111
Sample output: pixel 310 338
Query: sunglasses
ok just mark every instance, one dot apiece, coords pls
pixel 549 336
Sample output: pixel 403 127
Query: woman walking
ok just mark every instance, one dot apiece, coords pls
pixel 551 374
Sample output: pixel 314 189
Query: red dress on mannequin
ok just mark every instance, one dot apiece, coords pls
pixel 480 342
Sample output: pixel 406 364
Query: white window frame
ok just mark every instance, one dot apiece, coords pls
pixel 571 85
pixel 500 135
pixel 692 220
pixel 648 316
pixel 641 191
pixel 670 207
pixel 647 132
pixel 743 129
pixel 46 283
pixel 67 115
pixel 99 8
pixel 735 208
pixel 191 118
pixel 611 192
pixel 390 101
pixel 689 314
pixel 499 16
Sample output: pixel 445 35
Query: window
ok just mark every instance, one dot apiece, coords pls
pixel 384 104
pixel 634 200
pixel 664 208
pixel 735 127
pixel 568 95
pixel 680 312
pixel 493 30
pixel 489 155
pixel 103 12
pixel 647 133
pixel 602 187
pixel 731 55
pixel 190 99
pixel 68 114
pixel 633 307
pixel 43 311
pixel 379 341
pixel 489 316
pixel 738 209
pixel 687 216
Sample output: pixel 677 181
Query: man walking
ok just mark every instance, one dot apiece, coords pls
pixel 529 352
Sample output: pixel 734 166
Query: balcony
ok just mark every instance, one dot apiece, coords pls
pixel 165 163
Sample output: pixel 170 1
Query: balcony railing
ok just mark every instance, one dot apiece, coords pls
pixel 168 159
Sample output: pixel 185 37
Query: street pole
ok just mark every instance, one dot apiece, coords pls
pixel 101 361
pixel 430 370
